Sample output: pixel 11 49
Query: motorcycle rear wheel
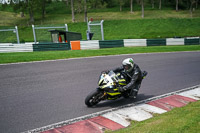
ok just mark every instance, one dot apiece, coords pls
pixel 93 98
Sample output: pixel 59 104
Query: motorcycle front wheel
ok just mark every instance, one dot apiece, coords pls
pixel 93 98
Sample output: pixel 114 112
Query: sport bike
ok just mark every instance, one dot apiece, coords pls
pixel 108 89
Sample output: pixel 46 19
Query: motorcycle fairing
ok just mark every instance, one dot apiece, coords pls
pixel 108 83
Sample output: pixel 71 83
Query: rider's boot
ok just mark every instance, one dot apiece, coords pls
pixel 134 91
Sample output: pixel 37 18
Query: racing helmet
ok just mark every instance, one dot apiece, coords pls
pixel 128 64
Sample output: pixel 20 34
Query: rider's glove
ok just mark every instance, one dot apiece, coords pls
pixel 121 89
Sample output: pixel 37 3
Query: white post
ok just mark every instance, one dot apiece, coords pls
pixel 17 34
pixel 33 27
pixel 89 26
pixel 66 27
pixel 102 33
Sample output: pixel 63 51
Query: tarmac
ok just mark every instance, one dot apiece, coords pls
pixel 121 117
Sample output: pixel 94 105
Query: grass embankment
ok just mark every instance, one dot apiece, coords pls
pixel 130 29
pixel 125 29
pixel 164 23
pixel 58 13
pixel 133 29
pixel 179 120
pixel 52 55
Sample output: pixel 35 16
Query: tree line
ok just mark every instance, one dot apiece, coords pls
pixel 79 6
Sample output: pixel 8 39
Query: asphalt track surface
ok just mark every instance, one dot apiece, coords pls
pixel 37 94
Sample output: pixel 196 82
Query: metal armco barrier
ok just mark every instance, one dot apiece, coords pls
pixel 135 42
pixel 91 44
pixel 156 42
pixel 192 41
pixel 111 43
pixel 8 47
pixel 96 44
pixel 51 46
pixel 175 41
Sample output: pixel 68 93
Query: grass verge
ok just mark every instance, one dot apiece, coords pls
pixel 117 25
pixel 179 120
pixel 120 29
pixel 53 55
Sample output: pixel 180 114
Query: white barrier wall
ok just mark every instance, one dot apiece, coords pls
pixel 135 42
pixel 175 41
pixel 92 44
pixel 95 44
pixel 8 47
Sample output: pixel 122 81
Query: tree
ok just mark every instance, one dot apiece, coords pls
pixel 21 7
pixel 121 3
pixel 67 3
pixel 72 8
pixel 177 5
pixel 192 2
pixel 160 4
pixel 197 1
pixel 34 6
pixel 30 6
pixel 95 3
pixel 142 4
pixel 43 3
pixel 152 3
pixel 78 6
pixel 131 6
pixel 85 10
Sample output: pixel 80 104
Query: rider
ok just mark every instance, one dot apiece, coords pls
pixel 133 75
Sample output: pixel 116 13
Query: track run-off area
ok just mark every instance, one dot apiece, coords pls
pixel 37 94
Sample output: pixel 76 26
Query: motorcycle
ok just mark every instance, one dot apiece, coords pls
pixel 108 89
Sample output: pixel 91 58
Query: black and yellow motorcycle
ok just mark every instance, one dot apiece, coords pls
pixel 108 89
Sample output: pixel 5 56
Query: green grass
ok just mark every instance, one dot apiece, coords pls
pixel 10 18
pixel 164 23
pixel 52 55
pixel 118 25
pixel 151 28
pixel 128 29
pixel 179 120
pixel 60 16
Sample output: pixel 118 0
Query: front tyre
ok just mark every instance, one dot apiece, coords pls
pixel 93 98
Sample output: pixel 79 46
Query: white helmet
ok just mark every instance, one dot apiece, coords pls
pixel 128 64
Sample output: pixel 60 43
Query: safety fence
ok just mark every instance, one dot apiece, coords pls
pixel 7 35
pixel 41 34
pixel 96 44
pixel 96 28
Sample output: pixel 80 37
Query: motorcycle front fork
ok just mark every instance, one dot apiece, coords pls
pixel 104 96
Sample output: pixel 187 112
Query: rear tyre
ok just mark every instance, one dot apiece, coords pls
pixel 126 94
pixel 93 98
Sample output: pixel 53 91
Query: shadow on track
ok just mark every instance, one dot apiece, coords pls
pixel 122 101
